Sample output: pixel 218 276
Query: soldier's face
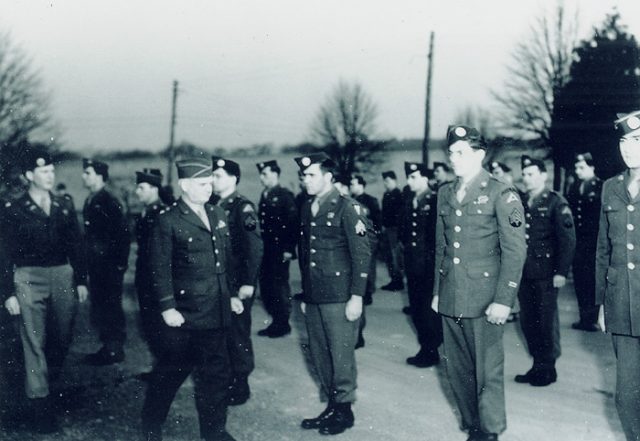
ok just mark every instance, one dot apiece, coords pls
pixel 356 188
pixel 90 177
pixel 146 192
pixel 268 177
pixel 497 172
pixel 42 178
pixel 198 190
pixel 583 171
pixel 222 181
pixel 465 161
pixel 417 183
pixel 440 175
pixel 316 181
pixel 533 179
pixel 630 150
pixel 389 183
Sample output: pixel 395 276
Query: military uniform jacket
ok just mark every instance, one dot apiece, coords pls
pixel 278 220
pixel 335 253
pixel 392 206
pixel 371 210
pixel 551 238
pixel 246 242
pixel 106 230
pixel 417 233
pixel 618 258
pixel 586 210
pixel 31 238
pixel 480 247
pixel 188 264
pixel 144 227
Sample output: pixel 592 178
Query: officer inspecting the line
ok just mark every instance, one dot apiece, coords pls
pixel 47 277
pixel 107 239
pixel 480 250
pixel 617 266
pixel 243 268
pixel 417 233
pixel 148 185
pixel 189 257
pixel 392 205
pixel 279 223
pixel 551 244
pixel 335 255
pixel 584 198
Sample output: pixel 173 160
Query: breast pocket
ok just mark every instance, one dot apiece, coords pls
pixel 616 218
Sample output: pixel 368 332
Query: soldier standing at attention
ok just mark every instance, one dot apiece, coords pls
pixel 280 230
pixel 242 271
pixel 189 250
pixel 551 244
pixel 148 185
pixel 417 233
pixel 392 205
pixel 335 255
pixel 44 244
pixel 107 239
pixel 617 266
pixel 584 199
pixel 480 251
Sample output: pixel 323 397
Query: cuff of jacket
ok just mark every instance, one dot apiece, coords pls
pixel 167 302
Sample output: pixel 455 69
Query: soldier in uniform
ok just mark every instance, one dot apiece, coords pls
pixel 617 266
pixel 392 205
pixel 441 174
pixel 335 255
pixel 279 224
pixel 148 185
pixel 189 256
pixel 244 266
pixel 417 233
pixel 44 244
pixel 551 244
pixel 480 250
pixel 584 199
pixel 501 171
pixel 107 238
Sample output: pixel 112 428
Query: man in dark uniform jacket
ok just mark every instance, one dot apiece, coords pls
pixel 480 250
pixel 48 275
pixel 392 206
pixel 551 244
pixel 244 266
pixel 584 199
pixel 335 255
pixel 278 221
pixel 148 185
pixel 107 238
pixel 189 257
pixel 618 272
pixel 417 233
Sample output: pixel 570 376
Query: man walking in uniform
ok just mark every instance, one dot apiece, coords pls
pixel 243 268
pixel 107 238
pixel 551 244
pixel 417 233
pixel 335 255
pixel 584 199
pixel 44 244
pixel 280 229
pixel 480 251
pixel 392 205
pixel 617 266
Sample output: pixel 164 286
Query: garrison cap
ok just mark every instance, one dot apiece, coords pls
pixel 342 179
pixel 271 164
pixel 501 165
pixel 231 167
pixel 586 157
pixel 464 133
pixel 316 158
pixel 35 157
pixel 410 167
pixel 528 161
pixel 193 168
pixel 444 166
pixel 101 168
pixel 151 176
pixel 628 123
pixel 389 174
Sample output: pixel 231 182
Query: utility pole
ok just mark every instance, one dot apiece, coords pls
pixel 171 153
pixel 427 111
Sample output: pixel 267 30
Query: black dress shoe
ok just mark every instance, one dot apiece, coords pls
pixel 525 378
pixel 424 360
pixel 239 392
pixel 393 286
pixel 544 378
pixel 221 436
pixel 341 420
pixel 275 330
pixel 315 423
pixel 588 327
pixel 105 357
pixel 479 435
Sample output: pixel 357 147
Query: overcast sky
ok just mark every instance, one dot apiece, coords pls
pixel 256 71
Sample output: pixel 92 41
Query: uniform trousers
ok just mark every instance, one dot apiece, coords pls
pixel 426 321
pixel 475 368
pixel 539 320
pixel 239 341
pixel 151 321
pixel 274 285
pixel 186 351
pixel 627 350
pixel 48 306
pixel 393 254
pixel 107 315
pixel 584 270
pixel 332 339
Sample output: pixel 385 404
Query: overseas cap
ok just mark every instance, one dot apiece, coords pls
pixel 500 165
pixel 389 174
pixel 628 123
pixel 528 161
pixel 317 158
pixel 35 157
pixel 193 168
pixel 464 133
pixel 444 166
pixel 586 157
pixel 410 167
pixel 151 176
pixel 271 164
pixel 231 167
pixel 101 168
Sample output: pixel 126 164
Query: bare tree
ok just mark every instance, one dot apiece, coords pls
pixel 345 127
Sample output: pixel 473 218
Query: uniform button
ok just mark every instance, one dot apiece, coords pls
pixel 313 251
pixel 413 244
pixel 313 224
pixel 456 260
pixel 630 207
pixel 458 213
pixel 457 229
pixel 526 236
pixel 328 224
pixel 630 265
pixel 86 222
pixel 630 227
pixel 528 214
pixel 313 264
pixel 479 211
pixel 313 238
pixel 217 263
pixel 486 274
pixel 414 233
pixel 579 216
pixel 579 208
pixel 527 225
pixel 456 244
pixel 414 214
pixel 414 224
pixel 630 246
pixel 182 291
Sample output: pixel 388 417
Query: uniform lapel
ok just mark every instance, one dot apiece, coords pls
pixel 475 187
pixel 622 182
pixel 327 203
pixel 191 217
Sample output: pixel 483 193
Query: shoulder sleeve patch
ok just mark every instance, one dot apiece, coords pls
pixel 515 218
pixel 361 228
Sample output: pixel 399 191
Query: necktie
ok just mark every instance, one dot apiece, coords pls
pixel 45 204
pixel 204 218
pixel 633 188
pixel 315 207
pixel 582 188
pixel 462 191
pixel 415 203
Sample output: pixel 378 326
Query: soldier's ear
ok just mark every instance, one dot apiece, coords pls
pixel 29 175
